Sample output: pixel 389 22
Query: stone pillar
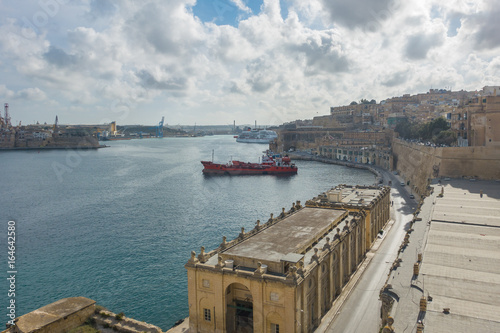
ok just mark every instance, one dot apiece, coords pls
pixel 319 293
pixel 331 277
pixel 305 308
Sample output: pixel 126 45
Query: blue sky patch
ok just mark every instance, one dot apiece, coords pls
pixel 224 12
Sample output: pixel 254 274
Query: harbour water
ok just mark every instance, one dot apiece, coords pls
pixel 118 224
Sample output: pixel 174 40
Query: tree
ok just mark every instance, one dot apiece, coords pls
pixel 404 129
pixel 436 131
pixel 448 138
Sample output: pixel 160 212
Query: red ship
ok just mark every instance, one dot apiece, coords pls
pixel 271 165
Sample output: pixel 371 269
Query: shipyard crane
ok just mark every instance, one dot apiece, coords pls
pixel 6 119
pixel 159 128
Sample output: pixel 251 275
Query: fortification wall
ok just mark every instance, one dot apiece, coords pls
pixel 472 162
pixel 417 163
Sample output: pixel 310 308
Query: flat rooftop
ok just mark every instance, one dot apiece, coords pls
pixel 50 313
pixel 292 235
pixel 465 204
pixel 461 260
pixel 354 195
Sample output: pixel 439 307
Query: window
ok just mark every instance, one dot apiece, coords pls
pixel 275 328
pixel 274 297
pixel 207 316
pixel 206 283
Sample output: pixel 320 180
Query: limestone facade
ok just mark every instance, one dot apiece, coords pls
pixel 484 121
pixel 283 275
pixel 375 202
pixel 418 164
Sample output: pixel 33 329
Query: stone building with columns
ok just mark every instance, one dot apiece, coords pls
pixel 282 276
pixel 375 202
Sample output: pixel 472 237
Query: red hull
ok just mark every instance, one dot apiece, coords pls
pixel 241 168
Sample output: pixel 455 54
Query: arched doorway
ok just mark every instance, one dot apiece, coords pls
pixel 239 309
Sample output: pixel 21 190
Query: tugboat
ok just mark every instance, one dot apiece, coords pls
pixel 271 165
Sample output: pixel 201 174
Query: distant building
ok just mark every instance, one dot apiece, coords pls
pixel 477 122
pixel 380 156
pixel 491 91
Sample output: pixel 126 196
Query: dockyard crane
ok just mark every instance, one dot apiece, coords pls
pixel 159 128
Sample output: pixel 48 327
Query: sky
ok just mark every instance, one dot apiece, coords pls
pixel 218 61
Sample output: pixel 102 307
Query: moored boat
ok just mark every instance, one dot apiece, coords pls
pixel 271 165
pixel 256 136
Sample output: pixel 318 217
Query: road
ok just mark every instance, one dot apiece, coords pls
pixel 361 311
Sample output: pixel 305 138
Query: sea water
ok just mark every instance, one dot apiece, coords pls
pixel 118 224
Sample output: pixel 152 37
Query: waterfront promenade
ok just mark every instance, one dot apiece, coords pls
pixel 358 308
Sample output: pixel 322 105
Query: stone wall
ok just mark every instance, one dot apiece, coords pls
pixel 471 162
pixel 417 163
pixel 107 319
pixel 60 316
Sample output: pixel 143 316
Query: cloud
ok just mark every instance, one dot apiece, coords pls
pixel 148 81
pixel 5 93
pixel 323 54
pixel 102 8
pixel 241 6
pixel 420 44
pixel 160 55
pixel 396 79
pixel 360 13
pixel 260 75
pixel 167 29
pixel 487 35
pixel 59 58
pixel 32 94
pixel 234 88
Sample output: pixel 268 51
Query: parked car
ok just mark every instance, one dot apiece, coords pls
pixel 412 196
pixel 402 184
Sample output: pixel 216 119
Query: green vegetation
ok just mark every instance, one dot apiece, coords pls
pixel 90 321
pixel 99 308
pixel 119 316
pixel 436 131
pixel 104 314
pixel 364 101
pixel 84 329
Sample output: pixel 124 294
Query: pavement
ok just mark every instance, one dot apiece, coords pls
pixel 182 328
pixel 458 236
pixel 357 310
pixel 346 291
